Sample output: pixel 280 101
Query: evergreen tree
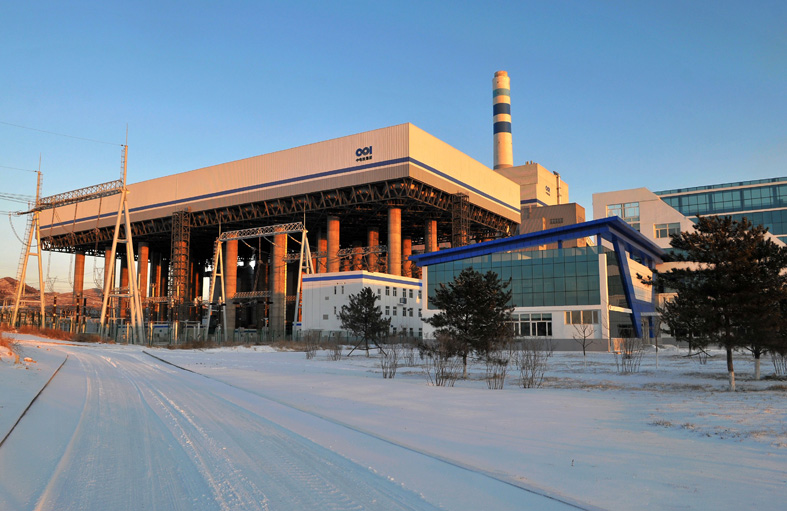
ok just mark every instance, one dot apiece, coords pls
pixel 365 319
pixel 473 313
pixel 730 292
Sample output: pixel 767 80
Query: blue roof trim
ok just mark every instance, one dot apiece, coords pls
pixel 262 186
pixel 611 229
pixel 533 201
pixel 338 276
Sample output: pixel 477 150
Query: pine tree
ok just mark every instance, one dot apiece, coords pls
pixel 474 309
pixel 730 293
pixel 365 319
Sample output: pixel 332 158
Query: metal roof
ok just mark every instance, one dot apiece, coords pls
pixel 612 229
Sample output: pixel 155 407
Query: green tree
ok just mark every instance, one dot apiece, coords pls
pixel 473 313
pixel 729 292
pixel 364 319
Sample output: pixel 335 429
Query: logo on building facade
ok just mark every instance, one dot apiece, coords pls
pixel 363 153
pixel 549 191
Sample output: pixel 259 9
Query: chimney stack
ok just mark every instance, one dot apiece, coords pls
pixel 501 116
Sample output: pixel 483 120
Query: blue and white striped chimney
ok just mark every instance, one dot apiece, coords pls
pixel 501 116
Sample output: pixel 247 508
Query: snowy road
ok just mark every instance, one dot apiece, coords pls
pixel 118 429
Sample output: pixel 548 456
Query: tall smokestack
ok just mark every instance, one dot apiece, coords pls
pixel 501 115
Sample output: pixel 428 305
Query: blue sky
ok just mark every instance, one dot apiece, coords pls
pixel 610 94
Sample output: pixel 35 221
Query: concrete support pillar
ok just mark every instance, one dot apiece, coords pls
pixel 123 285
pixel 333 244
pixel 230 281
pixel 109 269
pixel 407 250
pixel 79 273
pixel 373 241
pixel 394 241
pixel 430 236
pixel 357 257
pixel 322 246
pixel 263 273
pixel 199 275
pixel 277 320
pixel 143 252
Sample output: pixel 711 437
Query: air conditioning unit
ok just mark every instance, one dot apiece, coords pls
pixel 402 300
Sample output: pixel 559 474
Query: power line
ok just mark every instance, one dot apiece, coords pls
pixel 59 134
pixel 17 168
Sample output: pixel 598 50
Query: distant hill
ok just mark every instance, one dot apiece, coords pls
pixel 8 286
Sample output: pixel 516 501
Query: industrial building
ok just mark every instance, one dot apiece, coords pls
pixel 657 215
pixel 367 202
pixel 555 290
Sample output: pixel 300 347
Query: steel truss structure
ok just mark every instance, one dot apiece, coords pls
pixel 305 263
pixel 369 200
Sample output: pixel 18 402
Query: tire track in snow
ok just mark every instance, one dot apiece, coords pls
pixel 501 478
pixel 290 467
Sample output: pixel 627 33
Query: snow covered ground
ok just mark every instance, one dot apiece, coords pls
pixel 256 428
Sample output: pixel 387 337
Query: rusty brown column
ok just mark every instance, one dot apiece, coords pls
pixel 333 244
pixel 277 320
pixel 322 247
pixel 373 241
pixel 230 282
pixel 143 252
pixel 430 236
pixel 79 274
pixel 394 241
pixel 124 285
pixel 407 250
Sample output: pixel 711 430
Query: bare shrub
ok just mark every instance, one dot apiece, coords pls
pixel 530 358
pixel 311 342
pixel 408 353
pixel 441 367
pixel 195 344
pixel 779 363
pixel 628 356
pixel 91 338
pixel 335 350
pixel 11 345
pixel 389 360
pixel 496 368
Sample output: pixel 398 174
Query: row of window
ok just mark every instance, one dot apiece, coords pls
pixel 581 317
pixel 730 200
pixel 628 211
pixel 531 325
pixel 405 311
pixel 405 292
pixel 666 230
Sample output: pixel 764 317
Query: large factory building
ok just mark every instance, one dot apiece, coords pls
pixel 367 200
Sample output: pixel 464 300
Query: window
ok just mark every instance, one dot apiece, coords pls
pixel 387 310
pixel 394 311
pixel 581 317
pixel 532 325
pixel 419 294
pixel 334 289
pixel 419 313
pixel 334 311
pixel 555 221
pixel 379 293
pixel 325 317
pixel 666 230
pixel 394 291
pixel 628 211
pixel 411 293
pixel 411 313
pixel 342 289
pixel 393 330
pixel 387 290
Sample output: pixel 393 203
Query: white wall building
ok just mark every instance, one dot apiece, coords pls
pixel 325 293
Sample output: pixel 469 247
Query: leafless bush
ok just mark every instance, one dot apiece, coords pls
pixel 390 359
pixel 13 346
pixel 531 361
pixel 496 368
pixel 629 355
pixel 335 350
pixel 311 341
pixel 779 363
pixel 441 366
